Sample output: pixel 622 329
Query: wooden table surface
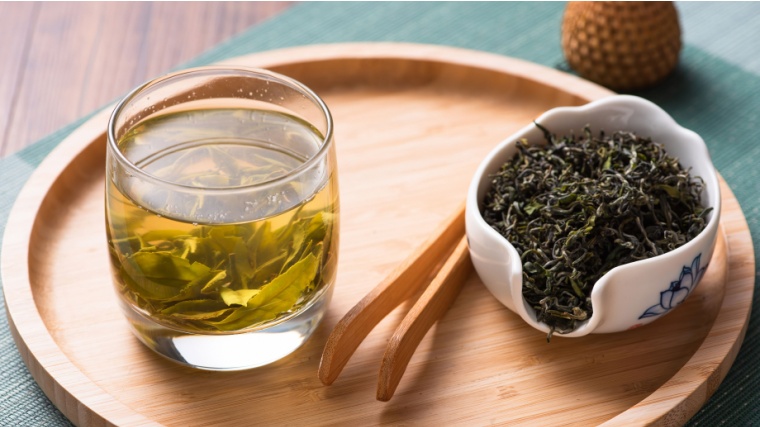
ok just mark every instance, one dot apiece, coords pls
pixel 62 60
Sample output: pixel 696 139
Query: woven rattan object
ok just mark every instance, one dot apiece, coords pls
pixel 622 45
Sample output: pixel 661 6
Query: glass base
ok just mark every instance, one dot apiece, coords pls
pixel 230 352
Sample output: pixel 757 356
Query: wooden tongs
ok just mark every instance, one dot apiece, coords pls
pixel 449 245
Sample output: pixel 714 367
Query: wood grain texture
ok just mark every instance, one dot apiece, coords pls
pixel 62 60
pixel 408 278
pixel 428 309
pixel 412 124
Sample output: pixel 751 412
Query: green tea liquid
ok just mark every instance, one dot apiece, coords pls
pixel 229 264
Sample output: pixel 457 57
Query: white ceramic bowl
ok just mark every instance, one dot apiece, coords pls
pixel 629 295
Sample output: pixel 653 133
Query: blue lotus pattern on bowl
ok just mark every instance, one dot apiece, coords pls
pixel 678 290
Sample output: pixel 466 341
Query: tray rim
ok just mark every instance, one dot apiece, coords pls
pixel 75 394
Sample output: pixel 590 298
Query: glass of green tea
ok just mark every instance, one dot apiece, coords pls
pixel 222 214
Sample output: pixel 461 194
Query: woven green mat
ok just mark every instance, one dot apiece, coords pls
pixel 714 92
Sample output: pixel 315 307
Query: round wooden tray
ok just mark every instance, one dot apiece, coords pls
pixel 412 124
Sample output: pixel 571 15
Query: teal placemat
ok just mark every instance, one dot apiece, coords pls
pixel 714 92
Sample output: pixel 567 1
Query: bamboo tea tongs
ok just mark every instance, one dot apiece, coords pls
pixel 449 244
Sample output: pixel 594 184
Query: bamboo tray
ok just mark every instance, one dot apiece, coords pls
pixel 412 124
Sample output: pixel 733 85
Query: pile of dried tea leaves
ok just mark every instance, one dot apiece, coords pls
pixel 579 206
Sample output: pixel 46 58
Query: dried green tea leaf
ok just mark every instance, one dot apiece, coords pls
pixel 214 283
pixel 145 289
pixel 578 206
pixel 127 244
pixel 318 225
pixel 196 310
pixel 186 247
pixel 237 297
pixel 161 276
pixel 153 236
pixel 222 247
pixel 672 191
pixel 282 292
pixel 166 267
pixel 265 243
pixel 278 296
pixel 193 289
pixel 268 270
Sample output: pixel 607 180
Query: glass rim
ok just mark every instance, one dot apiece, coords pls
pixel 288 81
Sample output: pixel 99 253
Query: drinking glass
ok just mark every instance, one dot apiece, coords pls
pixel 222 214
